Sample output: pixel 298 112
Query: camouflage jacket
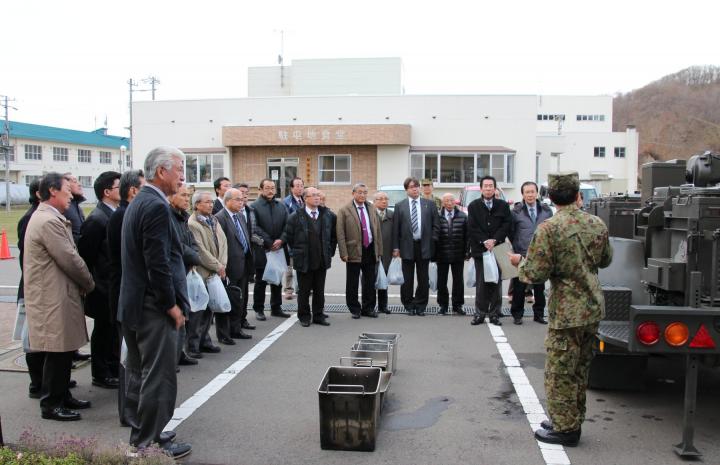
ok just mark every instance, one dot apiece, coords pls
pixel 568 249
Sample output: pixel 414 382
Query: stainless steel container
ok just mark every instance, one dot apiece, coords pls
pixel 392 338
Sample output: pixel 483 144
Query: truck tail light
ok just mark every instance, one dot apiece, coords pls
pixel 648 333
pixel 676 334
pixel 702 339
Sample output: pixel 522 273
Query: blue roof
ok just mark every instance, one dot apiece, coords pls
pixel 95 138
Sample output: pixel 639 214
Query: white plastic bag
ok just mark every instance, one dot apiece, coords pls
pixel 275 268
pixel 381 281
pixel 433 275
pixel 197 294
pixel 123 353
pixel 19 320
pixel 395 274
pixel 490 268
pixel 219 301
pixel 470 277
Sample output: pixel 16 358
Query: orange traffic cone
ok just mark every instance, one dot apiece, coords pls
pixel 4 247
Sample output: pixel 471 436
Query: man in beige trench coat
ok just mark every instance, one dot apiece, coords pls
pixel 56 278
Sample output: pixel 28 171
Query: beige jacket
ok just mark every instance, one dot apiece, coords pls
pixel 211 257
pixel 56 278
pixel 349 232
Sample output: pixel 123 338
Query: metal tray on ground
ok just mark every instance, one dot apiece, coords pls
pixel 350 400
pixel 392 338
pixel 380 354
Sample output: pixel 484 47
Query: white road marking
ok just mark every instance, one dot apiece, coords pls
pixel 194 402
pixel 553 454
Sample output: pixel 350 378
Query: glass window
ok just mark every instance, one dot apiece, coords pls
pixel 33 152
pixel 85 181
pixel 599 152
pixel 431 167
pixel 204 167
pixel 334 169
pixel 510 168
pixel 416 165
pixel 619 152
pixel 31 178
pixel 128 161
pixel 483 165
pixel 498 167
pixel 84 156
pixel 457 168
pixel 60 154
pixel 105 158
pixel 463 168
pixel 11 153
pixel 191 168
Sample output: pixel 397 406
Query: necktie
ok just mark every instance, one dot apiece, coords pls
pixel 363 225
pixel 300 203
pixel 533 216
pixel 382 215
pixel 241 234
pixel 414 218
pixel 211 223
pixel 314 215
pixel 488 203
pixel 449 217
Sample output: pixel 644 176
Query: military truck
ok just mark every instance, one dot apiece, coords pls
pixel 662 290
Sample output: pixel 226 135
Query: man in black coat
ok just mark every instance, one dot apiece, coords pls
pixel 229 326
pixel 451 251
pixel 130 184
pixel 153 294
pixel 489 224
pixel 93 248
pixel 310 234
pixel 386 229
pixel 270 218
pixel 221 186
pixel 74 213
pixel 415 230
pixel 248 215
pixel 180 203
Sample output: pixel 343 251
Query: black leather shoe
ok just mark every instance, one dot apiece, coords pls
pixel 420 312
pixel 546 424
pixel 540 320
pixel 167 436
pixel 72 383
pixel 61 414
pixel 107 383
pixel 443 311
pixel 495 321
pixel 80 357
pixel 185 359
pixel 410 311
pixel 459 311
pixel 369 314
pixel 517 321
pixel 246 325
pixel 240 335
pixel 321 322
pixel 564 438
pixel 280 314
pixel 385 311
pixel 177 450
pixel 260 316
pixel 194 354
pixel 211 349
pixel 478 320
pixel 304 323
pixel 355 316
pixel 226 340
pixel 76 404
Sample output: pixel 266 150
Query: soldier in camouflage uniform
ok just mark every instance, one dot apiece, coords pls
pixel 568 249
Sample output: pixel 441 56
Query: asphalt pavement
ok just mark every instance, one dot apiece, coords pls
pixel 451 401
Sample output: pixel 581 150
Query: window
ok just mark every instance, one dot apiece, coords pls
pixel 591 117
pixel 60 154
pixel 11 153
pixel 33 152
pixel 462 168
pixel 85 181
pixel 84 156
pixel 334 169
pixel 105 158
pixel 201 167
pixel 599 152
pixel 560 117
pixel 619 152
pixel 128 161
pixel 31 178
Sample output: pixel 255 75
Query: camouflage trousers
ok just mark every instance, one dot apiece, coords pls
pixel 569 353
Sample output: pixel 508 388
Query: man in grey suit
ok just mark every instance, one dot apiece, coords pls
pixel 153 296
pixel 229 326
pixel 415 230
pixel 386 227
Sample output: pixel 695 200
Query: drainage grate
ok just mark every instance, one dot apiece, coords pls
pixel 399 309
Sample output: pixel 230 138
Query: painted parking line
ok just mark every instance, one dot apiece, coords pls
pixel 195 401
pixel 553 454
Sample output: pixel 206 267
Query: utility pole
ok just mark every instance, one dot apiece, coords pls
pixel 5 147
pixel 152 80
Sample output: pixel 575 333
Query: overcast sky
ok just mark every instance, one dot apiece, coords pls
pixel 67 63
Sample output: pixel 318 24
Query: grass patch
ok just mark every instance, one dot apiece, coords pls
pixel 9 221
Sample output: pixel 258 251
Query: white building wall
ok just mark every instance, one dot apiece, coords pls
pixel 571 106
pixel 391 160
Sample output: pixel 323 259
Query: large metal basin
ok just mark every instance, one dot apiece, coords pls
pixel 379 353
pixel 392 338
pixel 350 401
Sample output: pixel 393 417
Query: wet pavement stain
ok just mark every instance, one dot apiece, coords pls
pixel 424 417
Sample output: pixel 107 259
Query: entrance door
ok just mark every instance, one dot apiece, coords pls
pixel 282 170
